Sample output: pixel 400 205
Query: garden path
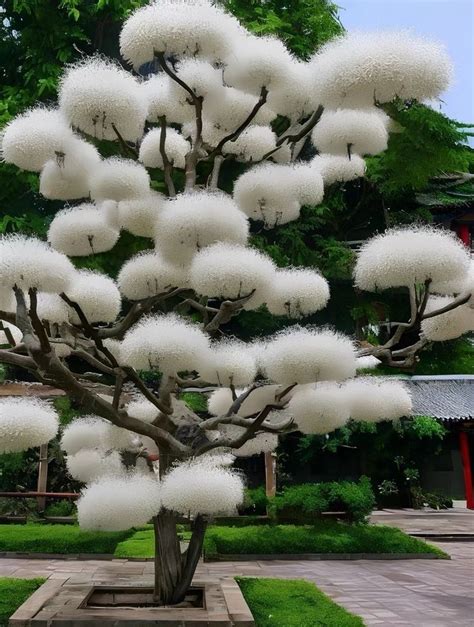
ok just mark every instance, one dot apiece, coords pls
pixel 455 521
pixel 425 593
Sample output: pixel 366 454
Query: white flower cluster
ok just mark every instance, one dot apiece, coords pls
pixel 306 355
pixel 97 295
pixel 408 256
pixel 26 423
pixel 358 68
pixel 118 503
pixel 448 325
pixel 91 464
pixel 165 342
pixel 15 332
pixel 27 262
pixel 228 363
pixel 149 274
pixel 202 486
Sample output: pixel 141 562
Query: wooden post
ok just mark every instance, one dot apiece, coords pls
pixel 466 464
pixel 42 477
pixel 270 474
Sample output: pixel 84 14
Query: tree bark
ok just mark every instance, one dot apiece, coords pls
pixel 174 571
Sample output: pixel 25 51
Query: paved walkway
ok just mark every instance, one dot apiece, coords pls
pixel 425 593
pixel 453 521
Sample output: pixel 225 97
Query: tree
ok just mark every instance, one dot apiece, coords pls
pixel 172 306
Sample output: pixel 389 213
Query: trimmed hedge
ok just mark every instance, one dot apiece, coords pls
pixel 39 538
pixel 307 501
pixel 323 537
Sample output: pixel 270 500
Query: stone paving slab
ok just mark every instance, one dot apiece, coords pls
pixel 434 593
pixel 455 521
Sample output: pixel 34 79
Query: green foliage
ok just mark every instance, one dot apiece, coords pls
pixel 67 413
pixel 304 25
pixel 293 603
pixel 255 501
pixel 38 538
pixel 63 507
pixel 421 427
pixel 13 593
pixel 428 144
pixel 307 501
pixel 323 537
pixel 195 401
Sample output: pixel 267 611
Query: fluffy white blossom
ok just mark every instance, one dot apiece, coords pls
pixel 178 28
pixel 142 410
pixel 202 77
pixel 464 282
pixel 297 292
pixel 230 271
pixel 358 68
pixel 202 486
pixel 52 307
pixel 165 342
pixel 372 399
pixel 194 220
pixel 220 400
pixel 28 262
pixel 294 97
pixel 90 464
pixel 448 325
pixel 408 256
pixel 233 107
pixel 114 347
pixel 176 148
pixel 15 332
pixel 118 503
pixel 98 296
pixel 32 138
pixel 139 215
pixel 348 131
pixel 81 231
pixel 148 274
pixel 96 94
pixel 119 179
pixel 228 363
pixel 25 423
pixel 306 182
pixel 160 101
pixel 267 193
pixel 305 355
pixel 258 62
pixel 368 361
pixel 338 169
pixel 86 432
pixel 66 177
pixel 319 409
pixel 252 144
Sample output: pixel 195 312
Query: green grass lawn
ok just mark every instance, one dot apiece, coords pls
pixel 38 538
pixel 324 537
pixel 14 592
pixel 293 603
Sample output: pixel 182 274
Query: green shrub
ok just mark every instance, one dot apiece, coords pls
pixel 255 501
pixel 307 501
pixel 323 537
pixel 62 507
pixel 42 538
pixel 293 603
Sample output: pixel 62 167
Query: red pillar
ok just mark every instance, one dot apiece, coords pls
pixel 466 464
pixel 462 231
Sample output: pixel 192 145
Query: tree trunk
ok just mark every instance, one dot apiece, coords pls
pixel 174 570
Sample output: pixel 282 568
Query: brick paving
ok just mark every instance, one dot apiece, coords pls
pixel 431 593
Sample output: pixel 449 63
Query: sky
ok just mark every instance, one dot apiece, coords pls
pixel 448 21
